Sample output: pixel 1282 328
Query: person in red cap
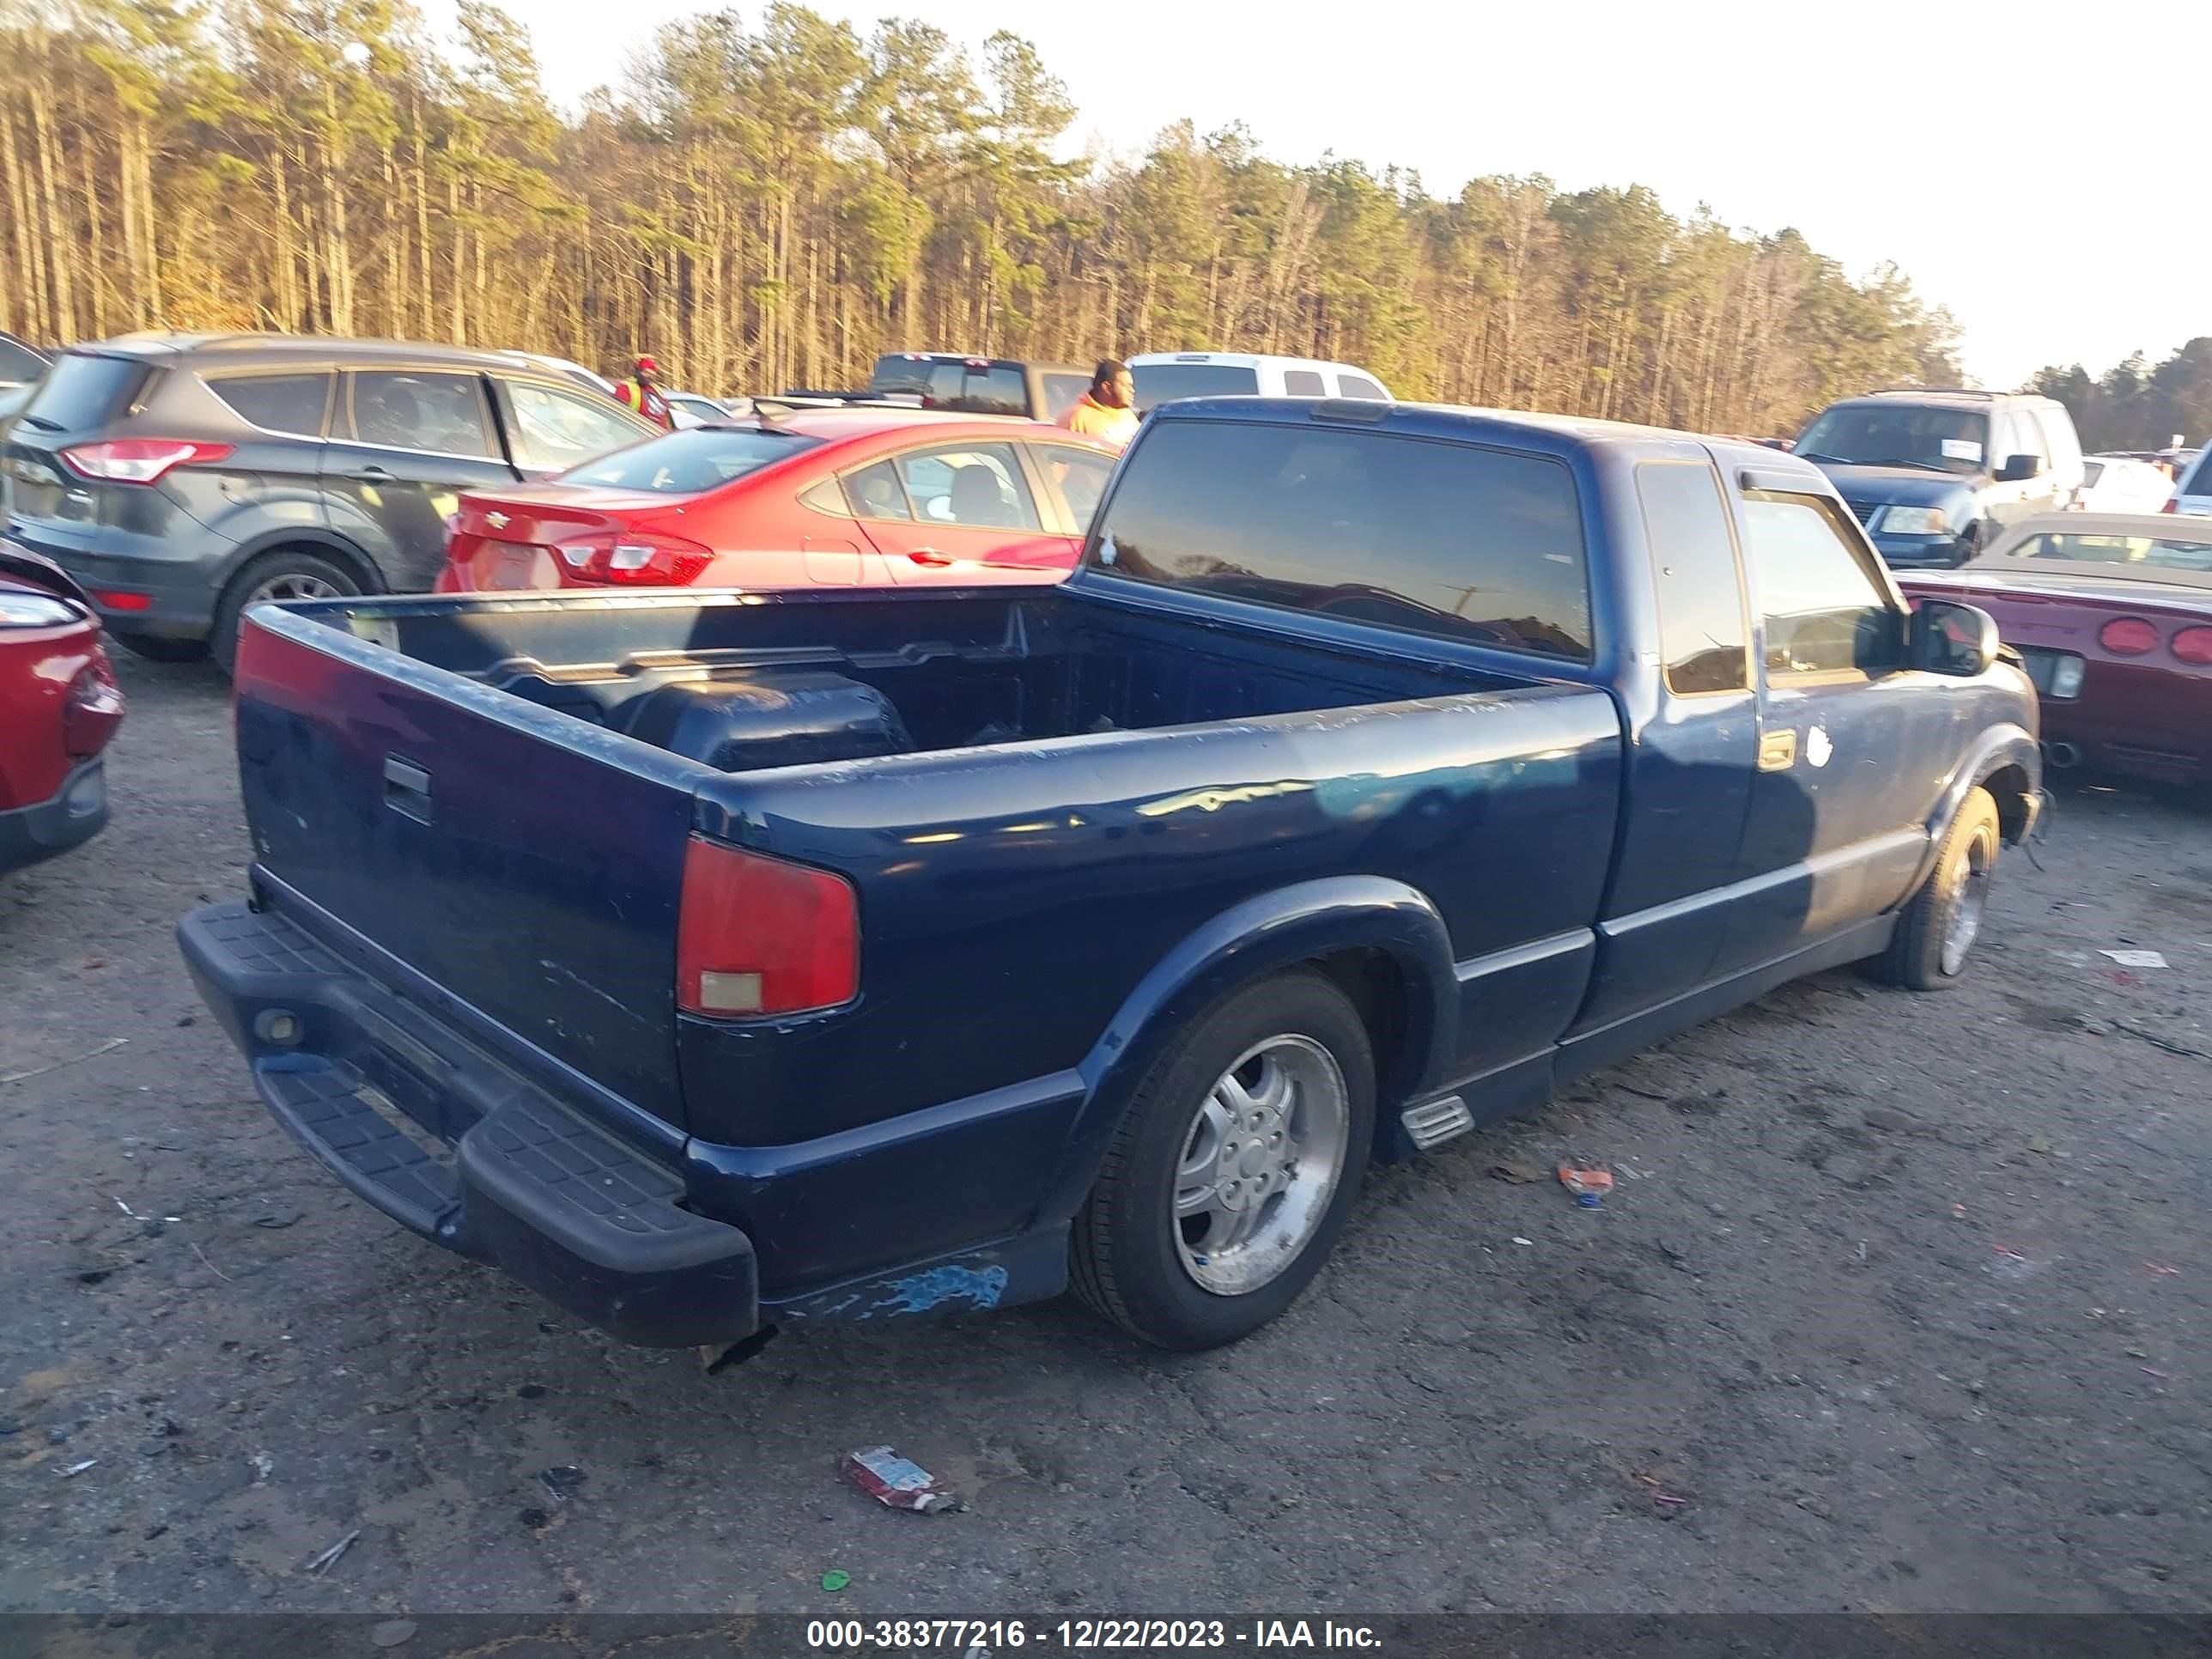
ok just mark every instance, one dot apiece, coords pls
pixel 641 392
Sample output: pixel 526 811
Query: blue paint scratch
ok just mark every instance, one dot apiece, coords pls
pixel 922 1291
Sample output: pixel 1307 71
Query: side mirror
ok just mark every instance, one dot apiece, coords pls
pixel 1953 639
pixel 2018 469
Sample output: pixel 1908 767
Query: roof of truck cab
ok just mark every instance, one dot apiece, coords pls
pixel 1455 421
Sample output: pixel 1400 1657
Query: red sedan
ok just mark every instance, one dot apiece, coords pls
pixel 2112 613
pixel 842 497
pixel 59 705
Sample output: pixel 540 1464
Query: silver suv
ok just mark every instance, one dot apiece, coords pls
pixel 181 478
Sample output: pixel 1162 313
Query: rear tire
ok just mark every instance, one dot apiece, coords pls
pixel 1229 1176
pixel 290 573
pixel 1939 924
pixel 154 649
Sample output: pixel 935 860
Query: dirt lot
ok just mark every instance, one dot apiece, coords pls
pixel 1908 1308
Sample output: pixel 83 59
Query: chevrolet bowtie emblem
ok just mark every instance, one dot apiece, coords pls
pixel 496 521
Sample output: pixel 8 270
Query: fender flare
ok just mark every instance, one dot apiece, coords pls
pixel 2008 745
pixel 1258 936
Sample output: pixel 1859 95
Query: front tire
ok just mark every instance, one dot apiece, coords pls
pixel 286 573
pixel 1937 930
pixel 1230 1175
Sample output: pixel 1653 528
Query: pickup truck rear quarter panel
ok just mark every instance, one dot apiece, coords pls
pixel 1107 859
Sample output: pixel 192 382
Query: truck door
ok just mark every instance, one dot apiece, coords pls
pixel 1854 749
pixel 1693 743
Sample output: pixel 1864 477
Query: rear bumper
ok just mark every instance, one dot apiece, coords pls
pixel 171 596
pixel 433 1130
pixel 76 813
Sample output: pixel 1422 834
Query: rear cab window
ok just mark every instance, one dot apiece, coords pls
pixel 691 463
pixel 977 389
pixel 1163 383
pixel 1479 545
pixel 1359 386
pixel 293 403
pixel 1303 383
pixel 84 389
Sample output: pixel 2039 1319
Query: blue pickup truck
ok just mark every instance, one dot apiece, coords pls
pixel 715 962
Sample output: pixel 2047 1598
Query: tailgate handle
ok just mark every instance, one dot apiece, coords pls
pixel 407 788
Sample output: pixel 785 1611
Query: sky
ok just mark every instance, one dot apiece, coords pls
pixel 2034 172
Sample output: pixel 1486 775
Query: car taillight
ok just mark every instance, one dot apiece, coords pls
pixel 2131 636
pixel 117 598
pixel 93 711
pixel 140 460
pixel 2171 505
pixel 636 556
pixel 758 936
pixel 2193 645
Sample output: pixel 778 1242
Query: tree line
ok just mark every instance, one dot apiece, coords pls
pixel 2134 406
pixel 772 203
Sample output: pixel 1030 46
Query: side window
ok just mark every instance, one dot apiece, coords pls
pixel 2059 442
pixel 278 402
pixel 556 430
pixel 1060 392
pixel 874 492
pixel 1081 476
pixel 980 485
pixel 1303 383
pixel 2021 436
pixel 1703 634
pixel 438 414
pixel 825 497
pixel 1823 609
pixel 1359 386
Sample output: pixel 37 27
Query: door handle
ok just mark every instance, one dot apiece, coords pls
pixel 407 789
pixel 371 475
pixel 1777 750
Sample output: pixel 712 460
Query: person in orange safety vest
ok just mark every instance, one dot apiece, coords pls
pixel 1108 410
pixel 641 392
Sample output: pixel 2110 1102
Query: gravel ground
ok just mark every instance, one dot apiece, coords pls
pixel 1904 1309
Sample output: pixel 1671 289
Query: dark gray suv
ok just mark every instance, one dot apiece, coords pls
pixel 181 478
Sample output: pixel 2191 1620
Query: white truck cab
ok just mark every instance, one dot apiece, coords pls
pixel 1163 376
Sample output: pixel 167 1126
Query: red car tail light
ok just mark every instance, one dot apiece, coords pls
pixel 116 598
pixel 2193 645
pixel 92 710
pixel 638 556
pixel 758 936
pixel 2170 507
pixel 2129 636
pixel 140 460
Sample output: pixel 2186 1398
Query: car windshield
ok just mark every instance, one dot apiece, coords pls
pixel 687 463
pixel 1934 439
pixel 2162 552
pixel 1163 383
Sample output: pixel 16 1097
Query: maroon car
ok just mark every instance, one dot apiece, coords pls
pixel 2112 613
pixel 59 704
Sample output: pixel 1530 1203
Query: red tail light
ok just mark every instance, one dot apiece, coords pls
pixel 93 711
pixel 2170 507
pixel 759 935
pixel 637 557
pixel 2130 636
pixel 140 460
pixel 2193 645
pixel 117 598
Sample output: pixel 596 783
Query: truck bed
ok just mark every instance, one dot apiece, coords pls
pixel 953 671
